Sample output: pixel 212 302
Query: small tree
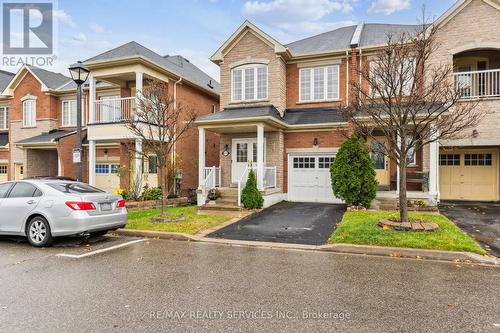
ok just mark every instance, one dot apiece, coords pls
pixel 160 122
pixel 250 196
pixel 353 175
pixel 409 99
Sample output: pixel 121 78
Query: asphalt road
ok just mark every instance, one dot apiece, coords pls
pixel 192 287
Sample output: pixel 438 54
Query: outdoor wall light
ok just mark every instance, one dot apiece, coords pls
pixel 475 133
pixel 315 142
pixel 225 152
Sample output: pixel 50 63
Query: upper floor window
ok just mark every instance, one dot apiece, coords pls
pixel 4 118
pixel 319 84
pixel 69 113
pixel 400 75
pixel 29 112
pixel 249 83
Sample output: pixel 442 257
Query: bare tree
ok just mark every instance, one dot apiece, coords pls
pixel 160 123
pixel 409 99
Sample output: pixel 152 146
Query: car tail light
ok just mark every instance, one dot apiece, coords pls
pixel 78 205
pixel 120 203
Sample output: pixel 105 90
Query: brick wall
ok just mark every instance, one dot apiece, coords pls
pixel 65 151
pixel 41 162
pixel 326 139
pixel 249 48
pixel 193 100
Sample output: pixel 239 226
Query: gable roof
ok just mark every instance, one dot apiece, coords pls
pixel 50 81
pixel 458 6
pixel 5 78
pixel 176 65
pixel 244 28
pixel 335 40
pixel 375 34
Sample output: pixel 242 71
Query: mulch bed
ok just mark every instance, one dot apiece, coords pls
pixel 413 225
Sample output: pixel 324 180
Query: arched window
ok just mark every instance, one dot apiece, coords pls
pixel 29 111
pixel 249 83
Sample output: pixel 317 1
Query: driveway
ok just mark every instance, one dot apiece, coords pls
pixel 287 222
pixel 481 220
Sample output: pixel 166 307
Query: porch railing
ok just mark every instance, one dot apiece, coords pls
pixel 212 177
pixel 475 84
pixel 269 177
pixel 114 110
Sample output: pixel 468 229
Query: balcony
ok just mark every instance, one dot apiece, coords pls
pixel 478 84
pixel 113 110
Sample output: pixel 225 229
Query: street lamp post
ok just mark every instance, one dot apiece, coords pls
pixel 79 74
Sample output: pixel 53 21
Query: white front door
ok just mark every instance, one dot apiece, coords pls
pixel 309 179
pixel 244 152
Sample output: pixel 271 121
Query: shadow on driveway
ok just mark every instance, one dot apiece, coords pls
pixel 287 222
pixel 481 220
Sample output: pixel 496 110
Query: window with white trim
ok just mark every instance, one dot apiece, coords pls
pixel 319 84
pixel 249 83
pixel 3 169
pixel 411 156
pixel 408 73
pixel 29 113
pixel 4 118
pixel 69 113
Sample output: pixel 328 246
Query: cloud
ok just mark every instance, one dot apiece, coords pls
pixel 302 10
pixel 97 28
pixel 292 19
pixel 388 7
pixel 80 37
pixel 64 18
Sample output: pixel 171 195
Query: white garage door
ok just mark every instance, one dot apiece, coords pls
pixel 309 179
pixel 107 177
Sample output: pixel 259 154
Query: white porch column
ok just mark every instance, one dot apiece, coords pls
pixel 201 155
pixel 92 99
pixel 433 164
pixel 92 162
pixel 138 162
pixel 260 156
pixel 138 88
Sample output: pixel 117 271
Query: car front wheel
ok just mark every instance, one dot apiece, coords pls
pixel 38 232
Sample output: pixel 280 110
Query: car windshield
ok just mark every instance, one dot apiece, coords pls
pixel 74 188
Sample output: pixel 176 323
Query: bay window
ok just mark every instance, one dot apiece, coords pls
pixel 249 83
pixel 4 118
pixel 29 112
pixel 319 84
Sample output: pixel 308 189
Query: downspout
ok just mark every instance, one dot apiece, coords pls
pixel 347 77
pixel 175 141
pixel 360 68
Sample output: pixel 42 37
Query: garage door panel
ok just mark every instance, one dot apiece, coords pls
pixel 474 178
pixel 309 179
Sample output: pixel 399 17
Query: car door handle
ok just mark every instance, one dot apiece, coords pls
pixel 31 202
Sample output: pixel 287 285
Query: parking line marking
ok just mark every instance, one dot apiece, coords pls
pixel 88 254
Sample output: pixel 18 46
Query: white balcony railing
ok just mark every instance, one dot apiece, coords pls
pixel 212 177
pixel 113 110
pixel 477 84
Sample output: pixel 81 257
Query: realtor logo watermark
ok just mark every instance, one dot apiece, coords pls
pixel 28 30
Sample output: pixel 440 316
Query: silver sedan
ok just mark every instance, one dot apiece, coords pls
pixel 42 209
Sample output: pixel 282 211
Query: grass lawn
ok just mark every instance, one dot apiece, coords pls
pixel 361 228
pixel 140 219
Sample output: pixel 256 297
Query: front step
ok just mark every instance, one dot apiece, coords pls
pixel 221 207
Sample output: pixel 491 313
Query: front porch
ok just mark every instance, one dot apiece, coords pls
pixel 243 147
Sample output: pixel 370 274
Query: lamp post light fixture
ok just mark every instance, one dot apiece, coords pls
pixel 79 74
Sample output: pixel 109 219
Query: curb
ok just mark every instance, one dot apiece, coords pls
pixel 155 234
pixel 461 256
pixel 398 252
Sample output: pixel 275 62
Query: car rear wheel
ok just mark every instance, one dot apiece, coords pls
pixel 38 232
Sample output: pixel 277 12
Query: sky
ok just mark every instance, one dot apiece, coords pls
pixel 197 28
